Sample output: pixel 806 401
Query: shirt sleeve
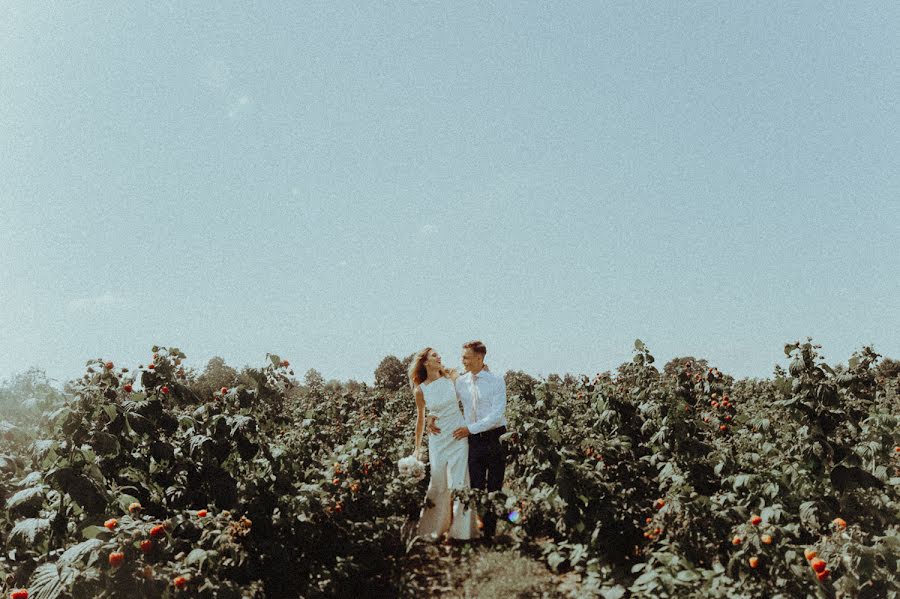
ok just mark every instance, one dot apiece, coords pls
pixel 494 416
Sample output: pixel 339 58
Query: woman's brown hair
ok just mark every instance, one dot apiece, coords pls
pixel 417 371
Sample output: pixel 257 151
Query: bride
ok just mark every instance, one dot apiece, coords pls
pixel 434 388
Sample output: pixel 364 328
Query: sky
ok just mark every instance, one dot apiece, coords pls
pixel 336 182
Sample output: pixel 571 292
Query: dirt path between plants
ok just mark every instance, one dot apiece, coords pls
pixel 476 571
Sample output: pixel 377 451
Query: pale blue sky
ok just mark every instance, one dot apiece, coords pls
pixel 336 183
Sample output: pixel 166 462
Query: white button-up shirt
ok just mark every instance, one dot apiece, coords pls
pixel 491 411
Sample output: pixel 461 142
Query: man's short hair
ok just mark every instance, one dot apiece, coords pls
pixel 476 346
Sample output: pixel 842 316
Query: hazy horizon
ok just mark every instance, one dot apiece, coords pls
pixel 339 183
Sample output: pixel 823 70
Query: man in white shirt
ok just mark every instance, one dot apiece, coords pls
pixel 483 396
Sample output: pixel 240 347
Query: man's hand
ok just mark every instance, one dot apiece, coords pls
pixel 430 425
pixel 461 433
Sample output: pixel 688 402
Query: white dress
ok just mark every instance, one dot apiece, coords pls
pixel 449 461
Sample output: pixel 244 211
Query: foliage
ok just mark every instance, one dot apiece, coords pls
pixel 390 374
pixel 638 481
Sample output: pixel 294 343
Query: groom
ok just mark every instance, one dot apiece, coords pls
pixel 483 396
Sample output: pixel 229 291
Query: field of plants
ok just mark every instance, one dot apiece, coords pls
pixel 149 481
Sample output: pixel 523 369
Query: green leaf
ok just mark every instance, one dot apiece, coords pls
pixel 49 581
pixel 687 576
pixel 125 500
pixel 196 556
pixel 92 531
pixel 639 345
pixel 616 592
pixel 31 495
pixel 29 528
pixel 76 552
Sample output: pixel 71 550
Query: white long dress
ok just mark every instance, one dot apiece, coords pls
pixel 449 461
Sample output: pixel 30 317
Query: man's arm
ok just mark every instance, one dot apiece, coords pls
pixel 431 426
pixel 494 415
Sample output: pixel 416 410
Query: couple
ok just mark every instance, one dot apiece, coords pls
pixel 464 449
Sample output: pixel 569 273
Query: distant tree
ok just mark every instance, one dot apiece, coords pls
pixel 354 386
pixel 390 374
pixel 216 375
pixel 333 386
pixel 888 369
pixel 684 362
pixel 314 380
pixel 27 394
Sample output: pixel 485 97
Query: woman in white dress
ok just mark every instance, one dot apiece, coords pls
pixel 435 389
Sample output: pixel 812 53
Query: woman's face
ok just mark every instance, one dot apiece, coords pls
pixel 433 360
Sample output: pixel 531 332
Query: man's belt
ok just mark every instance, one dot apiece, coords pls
pixel 494 432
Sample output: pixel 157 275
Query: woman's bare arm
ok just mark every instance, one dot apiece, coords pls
pixel 420 418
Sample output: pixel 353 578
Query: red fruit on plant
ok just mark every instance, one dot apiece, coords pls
pixel 109 365
pixel 818 564
pixel 714 404
pixel 725 397
pixel 202 514
pixel 809 554
pixel 339 507
pixel 134 507
pixel 754 561
pixel 823 574
pixel 755 520
pixel 648 520
pixel 285 363
pixel 897 449
pixel 165 390
pixel 151 366
pixel 766 539
pixel 111 523
pixel 726 404
pixel 155 356
pixel 146 546
pixel 116 558
pixel 723 427
pixel 736 541
pixel 335 481
pixel 659 504
pixel 128 388
pixel 20 594
pixel 224 390
pixel 157 531
pixel 727 418
pixel 839 523
pixel 180 582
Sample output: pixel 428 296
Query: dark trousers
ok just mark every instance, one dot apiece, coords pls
pixel 487 463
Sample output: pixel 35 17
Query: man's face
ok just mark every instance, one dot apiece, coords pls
pixel 472 360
